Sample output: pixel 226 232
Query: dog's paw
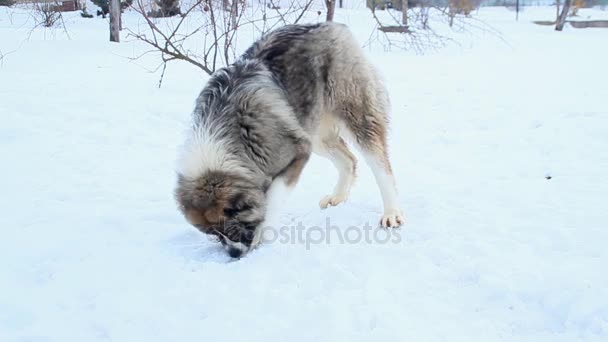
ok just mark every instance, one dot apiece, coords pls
pixel 332 200
pixel 392 218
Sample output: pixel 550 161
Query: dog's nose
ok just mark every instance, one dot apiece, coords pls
pixel 234 252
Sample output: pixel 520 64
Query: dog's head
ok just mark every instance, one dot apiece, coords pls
pixel 225 205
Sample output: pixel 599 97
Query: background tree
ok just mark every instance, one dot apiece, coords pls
pixel 115 21
pixel 561 20
pixel 331 9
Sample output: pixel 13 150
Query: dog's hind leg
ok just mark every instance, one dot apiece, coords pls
pixel 369 132
pixel 330 145
pixel 380 165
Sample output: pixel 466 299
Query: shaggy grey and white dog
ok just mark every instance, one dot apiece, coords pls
pixel 299 89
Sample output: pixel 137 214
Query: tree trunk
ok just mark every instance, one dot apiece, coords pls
pixel 557 4
pixel 115 21
pixel 561 20
pixel 451 11
pixel 404 4
pixel 340 4
pixel 331 8
pixel 234 13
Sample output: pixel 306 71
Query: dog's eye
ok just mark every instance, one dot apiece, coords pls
pixel 230 212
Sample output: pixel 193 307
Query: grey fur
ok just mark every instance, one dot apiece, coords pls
pixel 297 88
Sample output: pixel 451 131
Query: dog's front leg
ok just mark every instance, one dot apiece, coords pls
pixel 281 186
pixel 287 178
pixel 291 173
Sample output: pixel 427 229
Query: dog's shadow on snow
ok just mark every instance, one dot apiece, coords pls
pixel 192 245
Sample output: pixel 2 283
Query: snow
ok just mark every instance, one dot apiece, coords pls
pixel 92 247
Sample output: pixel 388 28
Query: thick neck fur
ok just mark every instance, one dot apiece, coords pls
pixel 234 120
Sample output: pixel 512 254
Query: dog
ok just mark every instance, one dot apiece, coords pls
pixel 299 89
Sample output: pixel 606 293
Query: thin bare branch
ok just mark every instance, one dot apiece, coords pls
pixel 216 28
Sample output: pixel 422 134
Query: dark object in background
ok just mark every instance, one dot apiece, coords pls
pixel 105 6
pixel 7 3
pixel 166 8
pixel 104 11
pixel 85 14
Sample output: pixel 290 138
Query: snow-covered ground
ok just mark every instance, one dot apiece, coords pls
pixel 92 247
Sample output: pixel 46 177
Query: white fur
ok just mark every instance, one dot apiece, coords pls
pixel 206 151
pixel 276 195
pixel 386 182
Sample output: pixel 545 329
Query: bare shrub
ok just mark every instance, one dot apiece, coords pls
pixel 427 25
pixel 461 7
pixel 47 14
pixel 205 34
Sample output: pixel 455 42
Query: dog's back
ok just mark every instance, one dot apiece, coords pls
pixel 320 66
